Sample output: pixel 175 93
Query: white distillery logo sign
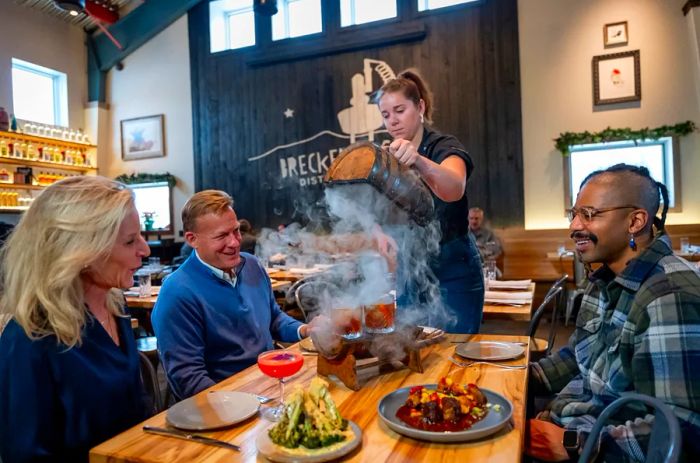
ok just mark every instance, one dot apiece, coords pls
pixel 361 120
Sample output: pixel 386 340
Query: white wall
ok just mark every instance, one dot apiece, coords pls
pixel 155 80
pixel 558 39
pixel 41 39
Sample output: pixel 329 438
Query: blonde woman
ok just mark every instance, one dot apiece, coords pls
pixel 69 369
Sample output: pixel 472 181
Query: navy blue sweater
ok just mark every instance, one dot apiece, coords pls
pixel 57 403
pixel 208 329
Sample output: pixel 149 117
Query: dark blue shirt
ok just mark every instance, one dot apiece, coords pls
pixel 56 403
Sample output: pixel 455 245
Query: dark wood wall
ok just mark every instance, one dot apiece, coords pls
pixel 469 54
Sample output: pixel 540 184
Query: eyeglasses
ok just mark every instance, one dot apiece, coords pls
pixel 586 213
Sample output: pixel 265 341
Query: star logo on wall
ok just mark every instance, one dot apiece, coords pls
pixel 289 113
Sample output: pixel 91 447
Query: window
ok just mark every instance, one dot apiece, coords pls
pixel 659 156
pixel 39 94
pixel 295 18
pixel 364 11
pixel 231 24
pixel 153 199
pixel 424 5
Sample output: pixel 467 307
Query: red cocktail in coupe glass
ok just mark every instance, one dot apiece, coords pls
pixel 279 364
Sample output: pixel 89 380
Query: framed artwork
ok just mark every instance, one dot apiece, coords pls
pixel 615 34
pixel 616 78
pixel 142 137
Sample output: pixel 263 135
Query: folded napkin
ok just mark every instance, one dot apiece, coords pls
pixel 510 284
pixel 508 297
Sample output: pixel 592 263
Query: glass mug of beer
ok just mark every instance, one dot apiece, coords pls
pixel 347 321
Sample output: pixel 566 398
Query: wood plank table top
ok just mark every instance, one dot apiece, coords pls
pixel 510 312
pixel 379 443
pixel 141 302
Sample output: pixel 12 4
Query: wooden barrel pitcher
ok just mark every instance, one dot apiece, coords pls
pixel 365 162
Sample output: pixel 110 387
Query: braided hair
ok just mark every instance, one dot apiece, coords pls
pixel 651 194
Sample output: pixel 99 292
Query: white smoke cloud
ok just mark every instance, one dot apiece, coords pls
pixel 356 209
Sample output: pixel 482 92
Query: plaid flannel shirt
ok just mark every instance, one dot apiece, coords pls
pixel 637 331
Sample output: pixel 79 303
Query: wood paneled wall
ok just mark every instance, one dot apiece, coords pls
pixel 525 251
pixel 469 55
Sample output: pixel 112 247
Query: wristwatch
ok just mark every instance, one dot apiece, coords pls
pixel 572 443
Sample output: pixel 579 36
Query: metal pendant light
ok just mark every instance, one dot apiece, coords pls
pixel 74 7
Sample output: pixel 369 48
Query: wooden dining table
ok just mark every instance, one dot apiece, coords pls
pixel 150 302
pixel 379 443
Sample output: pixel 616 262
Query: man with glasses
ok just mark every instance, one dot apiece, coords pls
pixel 217 312
pixel 638 327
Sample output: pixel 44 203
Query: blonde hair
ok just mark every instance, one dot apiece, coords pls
pixel 203 203
pixel 71 225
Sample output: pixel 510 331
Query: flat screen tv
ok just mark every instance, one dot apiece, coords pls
pixel 154 200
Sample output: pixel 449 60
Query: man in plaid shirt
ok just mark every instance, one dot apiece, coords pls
pixel 638 327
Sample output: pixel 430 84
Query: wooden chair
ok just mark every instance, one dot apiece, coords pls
pixel 665 440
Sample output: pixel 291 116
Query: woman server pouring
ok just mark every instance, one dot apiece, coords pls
pixel 406 107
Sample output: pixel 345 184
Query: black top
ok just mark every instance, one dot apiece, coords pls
pixel 454 216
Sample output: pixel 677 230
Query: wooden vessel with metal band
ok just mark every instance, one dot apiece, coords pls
pixel 365 162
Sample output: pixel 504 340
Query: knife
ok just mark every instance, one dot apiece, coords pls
pixel 193 437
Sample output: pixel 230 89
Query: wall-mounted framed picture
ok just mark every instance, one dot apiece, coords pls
pixel 143 137
pixel 615 34
pixel 616 78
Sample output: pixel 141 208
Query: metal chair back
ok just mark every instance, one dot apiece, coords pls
pixel 551 296
pixel 310 294
pixel 150 383
pixel 665 440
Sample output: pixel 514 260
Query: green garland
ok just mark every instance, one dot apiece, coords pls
pixel 147 178
pixel 568 139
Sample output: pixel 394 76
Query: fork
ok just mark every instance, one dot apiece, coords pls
pixel 482 362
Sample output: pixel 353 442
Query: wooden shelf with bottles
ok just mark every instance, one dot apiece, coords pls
pixel 26 138
pixel 47 164
pixel 21 186
pixel 47 140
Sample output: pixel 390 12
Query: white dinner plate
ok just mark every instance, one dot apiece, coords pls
pixel 274 452
pixel 495 419
pixel 489 350
pixel 214 410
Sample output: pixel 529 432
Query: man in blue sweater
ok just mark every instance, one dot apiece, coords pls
pixel 217 312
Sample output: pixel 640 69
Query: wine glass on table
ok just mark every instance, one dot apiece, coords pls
pixel 279 364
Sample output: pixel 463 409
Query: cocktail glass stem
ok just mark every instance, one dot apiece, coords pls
pixel 281 393
pixel 275 413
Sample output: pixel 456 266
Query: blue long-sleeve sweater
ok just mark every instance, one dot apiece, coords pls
pixel 208 330
pixel 57 403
